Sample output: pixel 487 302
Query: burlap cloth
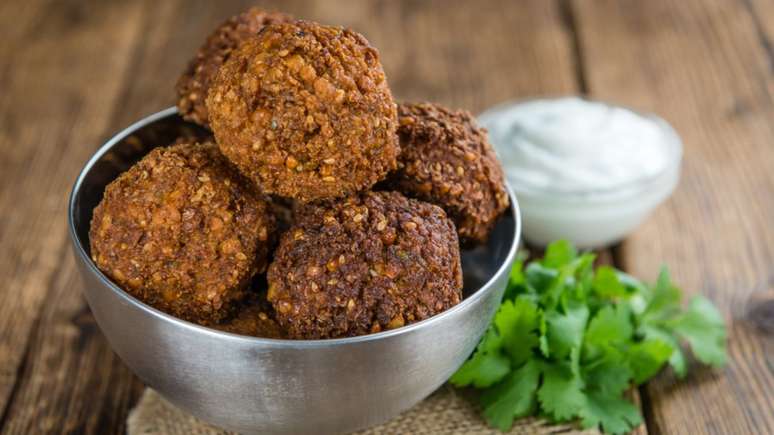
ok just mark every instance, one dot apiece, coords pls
pixel 444 412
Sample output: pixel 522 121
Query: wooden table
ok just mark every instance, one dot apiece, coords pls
pixel 74 72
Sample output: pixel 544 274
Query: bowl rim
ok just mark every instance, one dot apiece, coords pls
pixel 276 342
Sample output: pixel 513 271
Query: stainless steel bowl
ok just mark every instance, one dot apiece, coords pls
pixel 259 385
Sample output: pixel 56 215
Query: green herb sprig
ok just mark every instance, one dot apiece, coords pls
pixel 569 340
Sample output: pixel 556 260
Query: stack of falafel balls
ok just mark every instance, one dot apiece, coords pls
pixel 355 206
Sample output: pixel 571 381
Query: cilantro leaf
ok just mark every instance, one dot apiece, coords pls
pixel 583 269
pixel 543 338
pixel 609 374
pixel 516 276
pixel 614 414
pixel 513 398
pixel 611 325
pixel 552 295
pixel 565 330
pixel 517 323
pixel 559 253
pixel 606 283
pixel 638 294
pixel 665 297
pixel 561 394
pixel 647 357
pixel 539 278
pixel 677 358
pixel 482 370
pixel 487 365
pixel 703 327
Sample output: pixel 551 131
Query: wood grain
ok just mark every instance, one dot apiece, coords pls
pixel 762 16
pixel 53 105
pixel 703 67
pixel 436 50
pixel 69 380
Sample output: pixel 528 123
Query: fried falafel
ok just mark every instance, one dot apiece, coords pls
pixel 193 84
pixel 304 110
pixel 371 262
pixel 182 231
pixel 447 160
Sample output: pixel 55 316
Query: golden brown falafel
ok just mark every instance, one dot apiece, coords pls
pixel 304 110
pixel 182 231
pixel 193 84
pixel 447 160
pixel 371 262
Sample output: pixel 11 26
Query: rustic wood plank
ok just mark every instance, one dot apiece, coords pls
pixel 703 67
pixel 52 106
pixel 762 12
pixel 438 51
pixel 72 382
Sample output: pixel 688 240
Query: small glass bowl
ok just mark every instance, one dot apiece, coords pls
pixel 593 218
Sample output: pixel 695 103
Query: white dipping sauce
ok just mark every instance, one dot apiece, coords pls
pixel 582 170
pixel 575 145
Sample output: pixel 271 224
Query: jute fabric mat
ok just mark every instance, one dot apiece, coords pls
pixel 444 412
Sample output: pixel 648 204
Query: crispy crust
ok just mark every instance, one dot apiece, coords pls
pixel 182 231
pixel 447 160
pixel 372 262
pixel 253 317
pixel 193 84
pixel 304 110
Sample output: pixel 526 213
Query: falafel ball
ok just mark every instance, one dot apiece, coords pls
pixel 253 317
pixel 304 110
pixel 193 84
pixel 371 262
pixel 182 231
pixel 447 160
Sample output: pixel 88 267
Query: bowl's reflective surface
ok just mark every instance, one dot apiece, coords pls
pixel 259 385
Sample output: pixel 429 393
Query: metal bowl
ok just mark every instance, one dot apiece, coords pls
pixel 260 385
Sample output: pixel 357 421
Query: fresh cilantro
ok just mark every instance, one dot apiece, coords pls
pixel 607 284
pixel 561 393
pixel 702 326
pixel 569 340
pixel 565 330
pixel 561 253
pixel 647 357
pixel 614 414
pixel 512 398
pixel 517 325
pixel 609 374
pixel 610 326
pixel 487 365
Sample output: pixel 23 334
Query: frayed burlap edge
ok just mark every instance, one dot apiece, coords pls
pixel 444 412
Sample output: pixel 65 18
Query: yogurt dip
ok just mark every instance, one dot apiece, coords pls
pixel 583 170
